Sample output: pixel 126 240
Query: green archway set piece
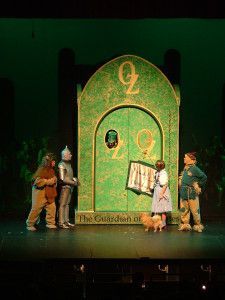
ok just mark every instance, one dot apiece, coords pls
pixel 128 111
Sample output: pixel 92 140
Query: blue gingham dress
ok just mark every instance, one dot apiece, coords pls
pixel 164 204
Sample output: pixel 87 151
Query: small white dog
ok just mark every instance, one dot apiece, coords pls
pixel 151 222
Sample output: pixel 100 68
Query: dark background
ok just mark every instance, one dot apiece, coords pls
pixel 113 9
pixel 48 50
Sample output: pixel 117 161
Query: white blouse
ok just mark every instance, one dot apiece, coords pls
pixel 162 177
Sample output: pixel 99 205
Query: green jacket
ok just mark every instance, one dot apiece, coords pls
pixel 191 174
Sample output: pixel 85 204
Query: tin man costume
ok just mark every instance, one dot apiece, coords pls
pixel 67 182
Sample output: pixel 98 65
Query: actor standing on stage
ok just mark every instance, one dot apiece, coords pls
pixel 191 182
pixel 43 194
pixel 67 182
pixel 161 203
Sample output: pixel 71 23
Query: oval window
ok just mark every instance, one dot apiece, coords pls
pixel 111 139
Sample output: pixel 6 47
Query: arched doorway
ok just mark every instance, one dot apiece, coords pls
pixel 138 137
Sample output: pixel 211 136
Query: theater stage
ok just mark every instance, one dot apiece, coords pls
pixel 112 262
pixel 111 242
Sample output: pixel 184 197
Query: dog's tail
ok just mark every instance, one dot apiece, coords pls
pixel 156 218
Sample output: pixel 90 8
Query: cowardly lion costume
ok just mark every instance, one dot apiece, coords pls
pixel 43 194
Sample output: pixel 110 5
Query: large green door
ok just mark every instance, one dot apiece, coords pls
pixel 145 144
pixel 139 138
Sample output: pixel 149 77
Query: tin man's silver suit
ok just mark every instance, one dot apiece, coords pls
pixel 67 184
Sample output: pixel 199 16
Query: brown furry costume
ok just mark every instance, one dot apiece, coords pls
pixel 50 189
pixel 43 194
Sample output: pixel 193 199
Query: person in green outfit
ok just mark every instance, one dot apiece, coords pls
pixel 191 182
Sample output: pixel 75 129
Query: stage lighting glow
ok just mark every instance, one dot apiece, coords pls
pixel 204 287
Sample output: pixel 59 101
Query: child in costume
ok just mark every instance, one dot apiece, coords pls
pixel 67 182
pixel 161 203
pixel 43 194
pixel 191 182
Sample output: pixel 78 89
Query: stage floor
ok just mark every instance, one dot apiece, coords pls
pixel 110 242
